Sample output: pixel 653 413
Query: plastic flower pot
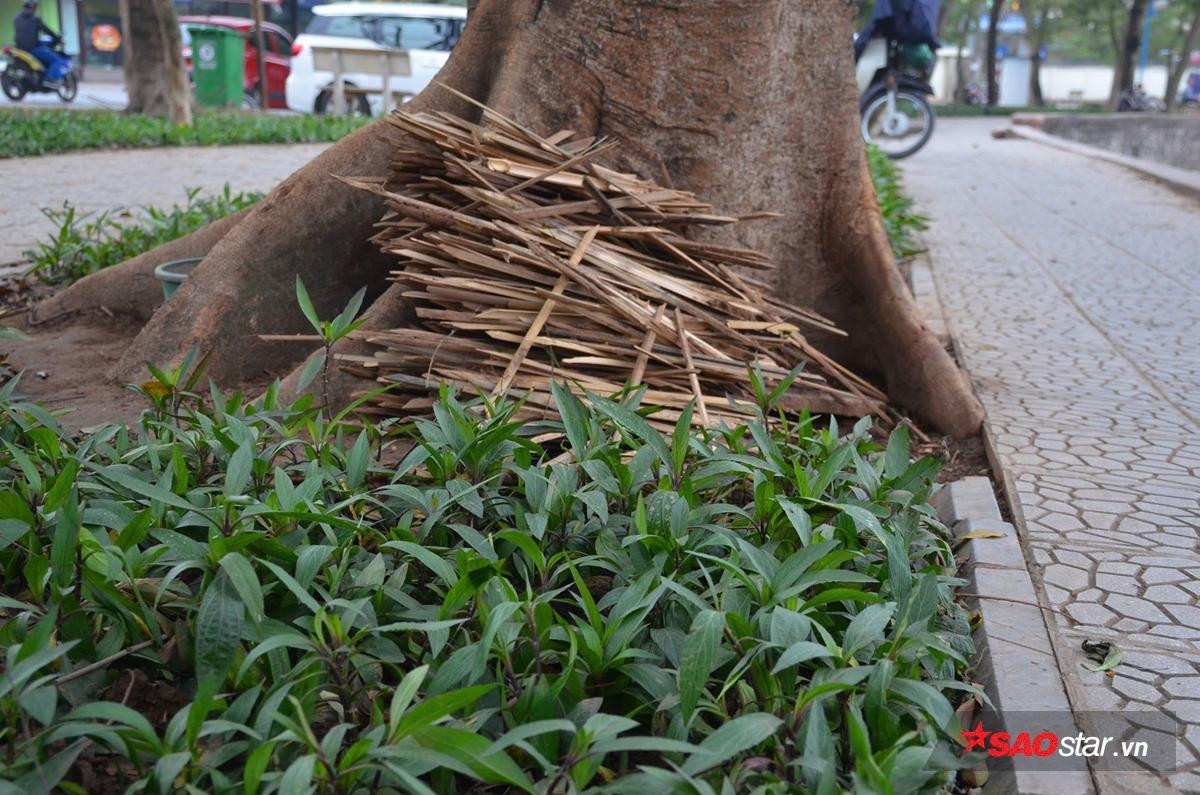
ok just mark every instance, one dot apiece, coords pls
pixel 172 273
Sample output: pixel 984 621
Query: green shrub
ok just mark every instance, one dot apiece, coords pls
pixel 38 132
pixel 899 220
pixel 473 602
pixel 86 243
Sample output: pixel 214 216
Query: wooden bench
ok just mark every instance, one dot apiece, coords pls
pixel 347 60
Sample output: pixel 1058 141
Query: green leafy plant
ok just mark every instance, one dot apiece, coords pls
pixel 489 599
pixel 85 243
pixel 899 219
pixel 28 132
pixel 329 332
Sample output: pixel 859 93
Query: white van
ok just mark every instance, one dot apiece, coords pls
pixel 427 32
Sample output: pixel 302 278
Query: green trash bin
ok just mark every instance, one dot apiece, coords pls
pixel 218 64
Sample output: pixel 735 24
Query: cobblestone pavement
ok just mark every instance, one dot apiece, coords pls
pixel 1072 288
pixel 102 180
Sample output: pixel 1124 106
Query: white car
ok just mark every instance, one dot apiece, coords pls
pixel 427 32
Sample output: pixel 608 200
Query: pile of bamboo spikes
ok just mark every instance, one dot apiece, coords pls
pixel 525 260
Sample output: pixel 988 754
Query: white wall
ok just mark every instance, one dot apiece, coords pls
pixel 1095 82
pixel 1092 83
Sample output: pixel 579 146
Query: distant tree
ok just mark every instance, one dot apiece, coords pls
pixel 1127 51
pixel 154 75
pixel 1038 23
pixel 957 20
pixel 1185 31
pixel 993 93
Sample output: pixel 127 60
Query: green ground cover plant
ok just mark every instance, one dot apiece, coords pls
pixel 953 109
pixel 28 132
pixel 84 243
pixel 472 603
pixel 900 221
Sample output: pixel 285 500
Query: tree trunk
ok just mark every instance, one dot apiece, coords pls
pixel 1127 53
pixel 1179 69
pixel 993 92
pixel 154 75
pixel 763 117
pixel 960 68
pixel 1037 41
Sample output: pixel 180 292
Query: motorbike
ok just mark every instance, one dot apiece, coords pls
pixel 893 84
pixel 24 74
pixel 1138 101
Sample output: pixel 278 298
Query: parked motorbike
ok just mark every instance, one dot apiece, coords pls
pixel 893 82
pixel 24 74
pixel 974 94
pixel 1138 101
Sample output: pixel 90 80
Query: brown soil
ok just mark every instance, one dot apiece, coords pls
pixel 960 457
pixel 157 701
pixel 66 368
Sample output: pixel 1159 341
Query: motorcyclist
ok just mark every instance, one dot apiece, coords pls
pixel 912 23
pixel 28 27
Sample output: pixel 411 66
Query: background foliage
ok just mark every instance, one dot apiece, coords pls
pixel 24 133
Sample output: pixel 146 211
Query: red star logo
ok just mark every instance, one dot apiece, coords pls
pixel 977 737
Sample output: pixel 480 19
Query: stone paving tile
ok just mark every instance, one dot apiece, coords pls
pixel 1072 289
pixel 104 180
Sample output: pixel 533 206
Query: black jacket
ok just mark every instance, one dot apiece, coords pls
pixel 27 26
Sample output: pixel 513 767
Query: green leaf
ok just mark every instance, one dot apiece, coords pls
pixel 44 778
pixel 732 738
pixel 140 487
pixel 574 416
pixel 64 547
pixel 112 713
pixel 680 439
pixel 800 652
pixel 868 627
pixel 434 709
pixel 306 306
pixel 237 475
pixel 699 657
pixel 357 460
pixel 218 628
pixel 297 779
pixel 1111 659
pixel 245 582
pixel 895 460
pixel 928 698
pixel 311 368
pixel 470 749
pixel 14 334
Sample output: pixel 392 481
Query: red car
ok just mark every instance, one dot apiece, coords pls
pixel 278 60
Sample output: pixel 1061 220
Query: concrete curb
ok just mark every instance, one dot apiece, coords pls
pixel 1178 179
pixel 1014 660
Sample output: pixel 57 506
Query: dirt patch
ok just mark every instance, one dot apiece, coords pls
pixel 155 699
pixel 960 457
pixel 65 368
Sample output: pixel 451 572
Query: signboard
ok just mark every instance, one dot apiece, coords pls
pixel 106 38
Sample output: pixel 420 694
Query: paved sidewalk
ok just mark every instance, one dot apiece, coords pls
pixel 92 95
pixel 102 180
pixel 1072 288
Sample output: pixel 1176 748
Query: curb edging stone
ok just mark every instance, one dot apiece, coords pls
pixel 1014 658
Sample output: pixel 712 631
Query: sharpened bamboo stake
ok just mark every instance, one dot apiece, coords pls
pixel 639 367
pixel 687 357
pixel 543 315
